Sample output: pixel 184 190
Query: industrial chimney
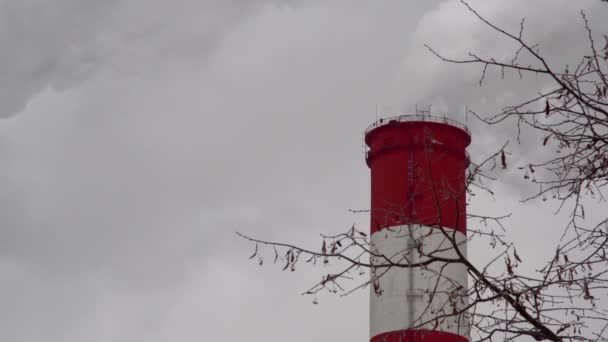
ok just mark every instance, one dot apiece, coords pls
pixel 418 211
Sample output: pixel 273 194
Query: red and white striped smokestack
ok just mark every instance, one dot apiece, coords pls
pixel 418 165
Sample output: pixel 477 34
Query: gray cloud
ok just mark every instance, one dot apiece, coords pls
pixel 64 43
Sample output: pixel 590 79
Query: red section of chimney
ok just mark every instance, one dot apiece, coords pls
pixel 418 335
pixel 418 173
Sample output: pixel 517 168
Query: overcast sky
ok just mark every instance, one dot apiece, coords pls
pixel 138 136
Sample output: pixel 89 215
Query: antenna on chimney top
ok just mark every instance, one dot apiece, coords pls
pixel 376 112
pixel 422 111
